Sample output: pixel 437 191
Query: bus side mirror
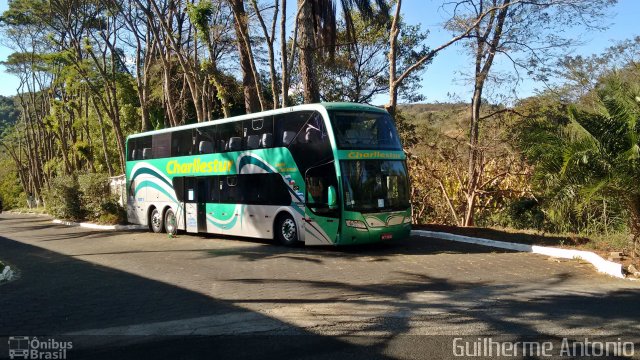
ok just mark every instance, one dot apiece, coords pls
pixel 333 198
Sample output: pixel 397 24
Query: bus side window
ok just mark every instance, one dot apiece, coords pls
pixel 131 149
pixel 287 126
pixel 142 144
pixel 204 140
pixel 258 133
pixel 182 143
pixel 229 190
pixel 311 145
pixel 231 134
pixel 161 145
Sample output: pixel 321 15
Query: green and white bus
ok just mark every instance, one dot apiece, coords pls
pixel 322 174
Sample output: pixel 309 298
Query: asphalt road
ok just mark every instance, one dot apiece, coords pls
pixel 137 294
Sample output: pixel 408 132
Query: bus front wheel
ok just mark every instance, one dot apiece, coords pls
pixel 286 231
pixel 156 222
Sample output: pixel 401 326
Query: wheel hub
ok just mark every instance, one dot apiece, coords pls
pixel 288 229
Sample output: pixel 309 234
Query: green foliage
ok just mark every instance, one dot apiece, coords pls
pixel 112 213
pixel 94 190
pixel 8 112
pixel 10 190
pixel 97 202
pixel 406 130
pixel 200 15
pixel 588 162
pixel 85 198
pixel 522 213
pixel 359 68
pixel 62 200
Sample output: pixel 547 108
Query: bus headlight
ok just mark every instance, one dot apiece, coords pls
pixel 356 224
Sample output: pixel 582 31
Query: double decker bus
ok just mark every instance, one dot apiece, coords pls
pixel 321 174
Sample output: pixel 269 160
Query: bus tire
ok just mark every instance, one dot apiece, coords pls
pixel 156 222
pixel 170 223
pixel 286 231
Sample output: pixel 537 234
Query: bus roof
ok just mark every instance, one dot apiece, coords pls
pixel 345 106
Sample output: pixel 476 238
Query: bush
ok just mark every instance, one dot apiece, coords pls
pixel 521 213
pixel 112 213
pixel 94 190
pixel 88 197
pixel 62 200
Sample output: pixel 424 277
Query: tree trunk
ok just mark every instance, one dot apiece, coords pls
pixel 270 38
pixel 473 171
pixel 393 45
pixel 485 54
pixel 283 50
pixel 307 46
pixel 251 97
pixel 103 137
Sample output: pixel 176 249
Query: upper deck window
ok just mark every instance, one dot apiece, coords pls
pixel 364 130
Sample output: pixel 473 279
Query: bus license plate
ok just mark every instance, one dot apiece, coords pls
pixel 386 236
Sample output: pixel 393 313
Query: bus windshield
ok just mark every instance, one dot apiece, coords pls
pixel 364 130
pixel 375 185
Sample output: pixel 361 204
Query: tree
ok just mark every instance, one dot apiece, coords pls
pixel 250 77
pixel 317 22
pixel 359 69
pixel 527 33
pixel 596 153
pixel 270 36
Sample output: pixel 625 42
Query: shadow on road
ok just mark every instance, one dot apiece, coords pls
pixel 57 294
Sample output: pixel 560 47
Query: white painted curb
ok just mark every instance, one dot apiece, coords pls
pixel 99 227
pixel 602 265
pixel 7 274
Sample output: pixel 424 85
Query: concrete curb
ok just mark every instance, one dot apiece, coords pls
pixel 99 227
pixel 602 265
pixel 7 274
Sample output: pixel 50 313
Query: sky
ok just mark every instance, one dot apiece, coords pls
pixel 441 81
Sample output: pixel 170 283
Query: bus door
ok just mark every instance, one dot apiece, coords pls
pixel 195 194
pixel 322 210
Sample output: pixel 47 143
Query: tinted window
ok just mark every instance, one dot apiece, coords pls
pixel 364 130
pixel 205 140
pixel 161 144
pixel 264 189
pixel 311 145
pixel 259 133
pixel 178 187
pixel 229 137
pixel 202 195
pixel 181 143
pixel 317 181
pixel 375 185
pixel 229 190
pixel 287 126
pixel 137 148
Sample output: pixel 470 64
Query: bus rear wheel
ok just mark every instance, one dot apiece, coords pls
pixel 286 231
pixel 170 222
pixel 155 221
